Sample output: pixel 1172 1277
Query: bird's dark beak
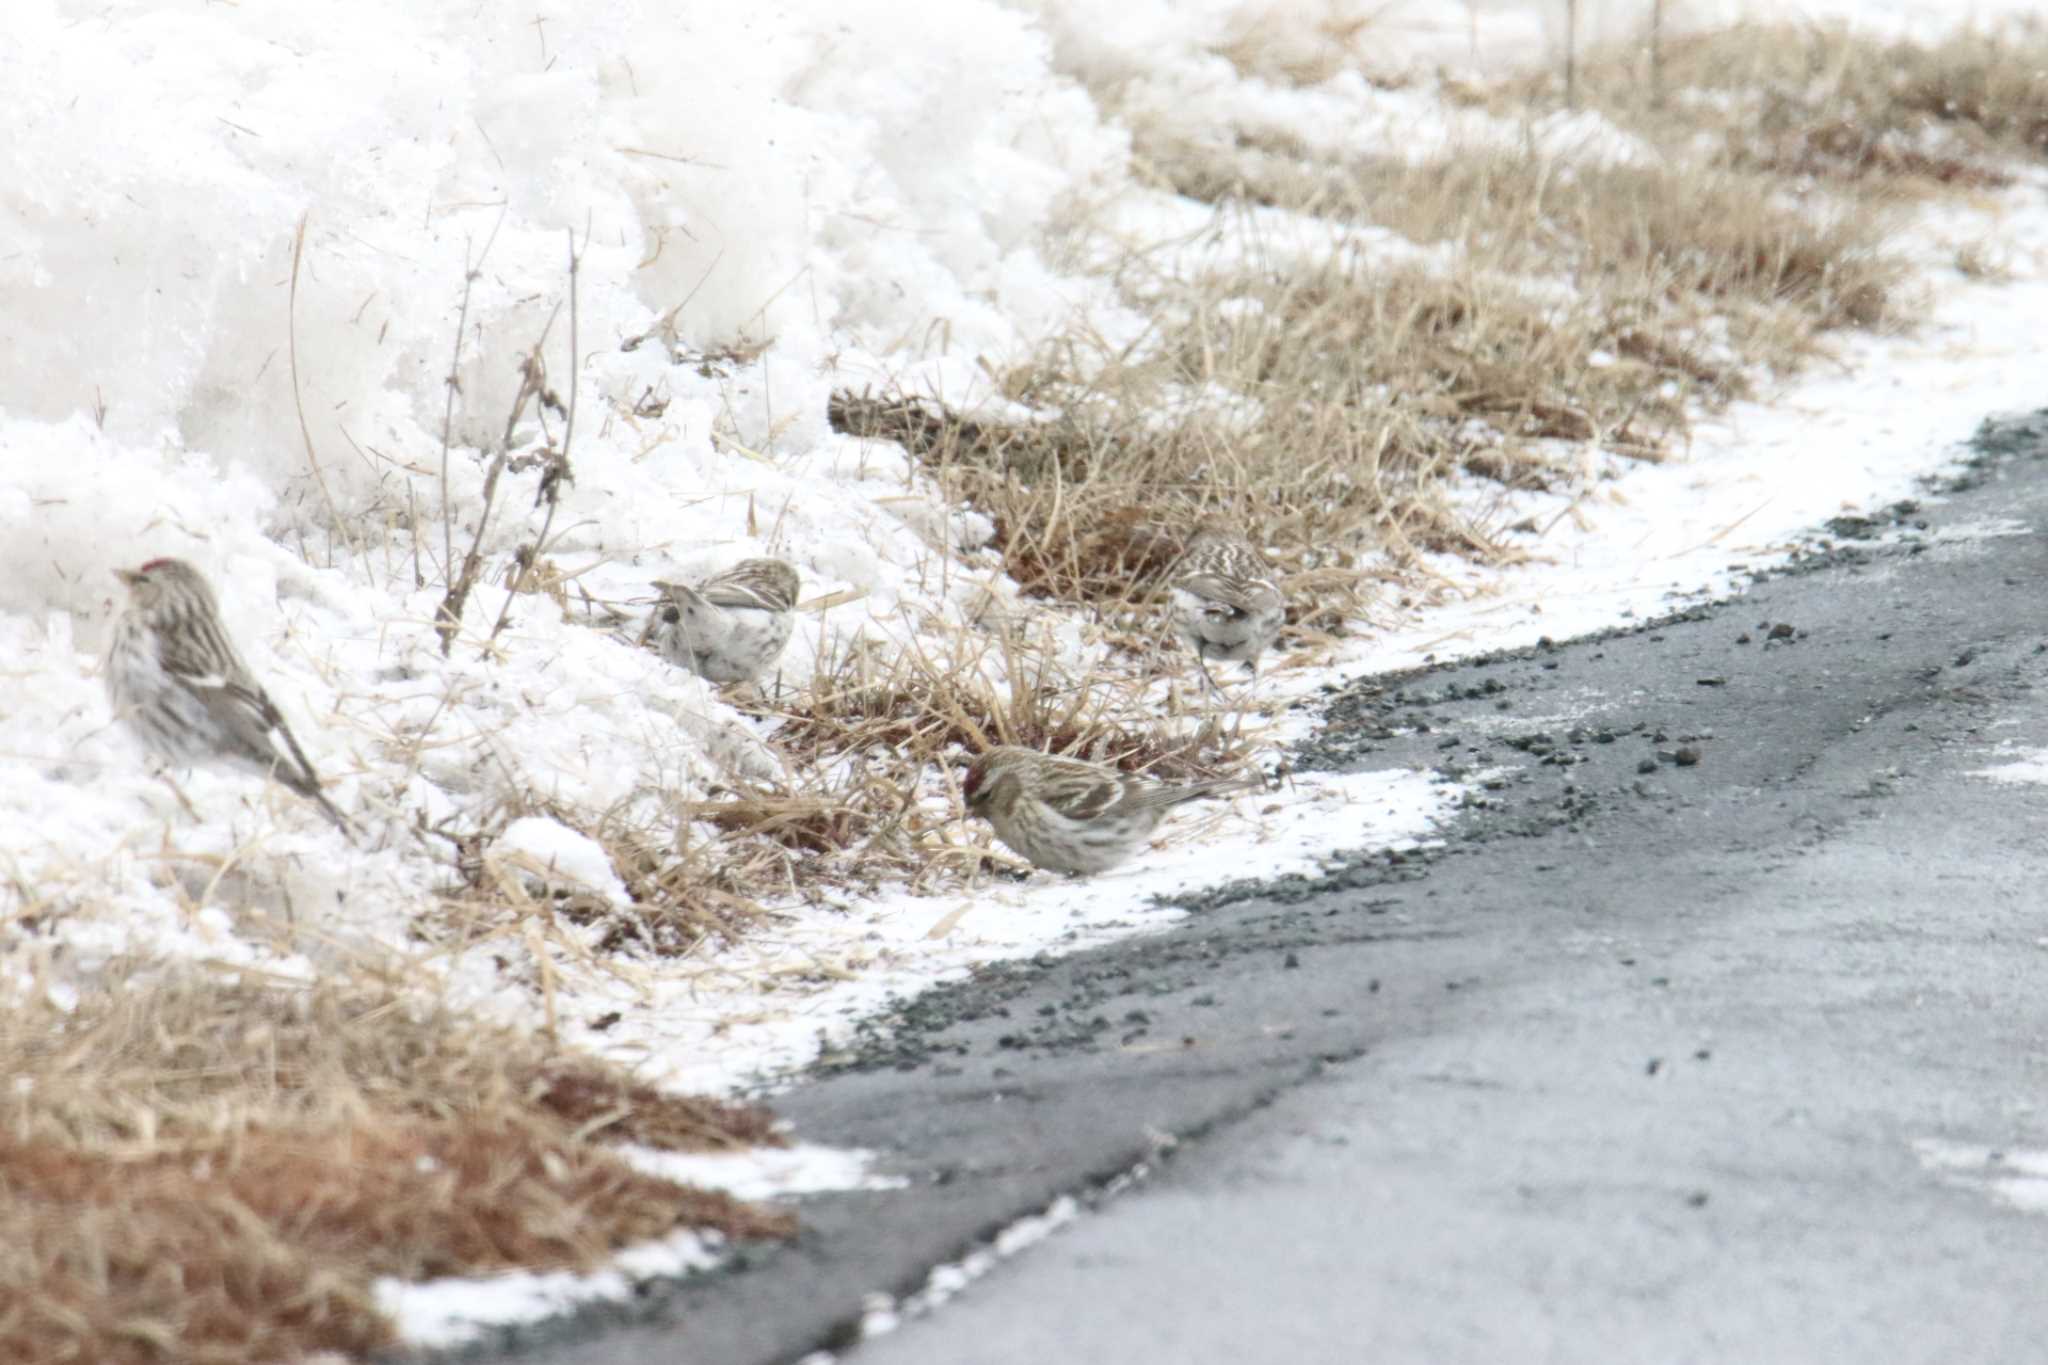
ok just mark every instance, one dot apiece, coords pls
pixel 128 577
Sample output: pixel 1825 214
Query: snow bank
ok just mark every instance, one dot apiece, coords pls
pixel 233 252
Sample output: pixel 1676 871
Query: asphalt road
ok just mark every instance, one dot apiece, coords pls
pixel 1643 1065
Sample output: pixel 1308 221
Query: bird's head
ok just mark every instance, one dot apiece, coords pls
pixel 993 778
pixel 978 787
pixel 162 580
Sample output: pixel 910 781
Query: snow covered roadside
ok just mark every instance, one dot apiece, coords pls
pixel 1759 480
pixel 178 430
pixel 775 1001
pixel 450 1311
pixel 764 179
pixel 1753 490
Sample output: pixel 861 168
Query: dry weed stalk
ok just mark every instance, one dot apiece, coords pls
pixel 452 384
pixel 552 459
pixel 532 387
pixel 1329 402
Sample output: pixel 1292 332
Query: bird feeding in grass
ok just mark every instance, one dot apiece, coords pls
pixel 730 627
pixel 1067 815
pixel 177 681
pixel 1224 600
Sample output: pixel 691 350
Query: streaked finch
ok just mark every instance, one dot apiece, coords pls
pixel 179 683
pixel 730 627
pixel 1066 815
pixel 1224 598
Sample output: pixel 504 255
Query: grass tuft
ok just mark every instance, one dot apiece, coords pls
pixel 1826 103
pixel 867 746
pixel 216 1169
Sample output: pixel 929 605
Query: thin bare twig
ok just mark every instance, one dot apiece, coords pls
pixel 470 271
pixel 532 385
pixel 447 430
pixel 556 471
pixel 298 399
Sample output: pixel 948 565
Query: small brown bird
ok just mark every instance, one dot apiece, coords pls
pixel 1224 598
pixel 730 627
pixel 176 679
pixel 1065 815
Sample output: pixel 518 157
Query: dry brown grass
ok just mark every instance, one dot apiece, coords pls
pixel 1329 398
pixel 861 744
pixel 218 1170
pixel 994 689
pixel 1823 102
pixel 1589 304
pixel 1334 43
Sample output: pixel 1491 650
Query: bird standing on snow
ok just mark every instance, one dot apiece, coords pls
pixel 1065 815
pixel 175 678
pixel 730 627
pixel 1224 598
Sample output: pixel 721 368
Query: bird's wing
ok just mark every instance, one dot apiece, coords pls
pixel 206 665
pixel 745 592
pixel 1081 791
pixel 1241 594
pixel 246 711
pixel 198 657
pixel 203 661
pixel 243 710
